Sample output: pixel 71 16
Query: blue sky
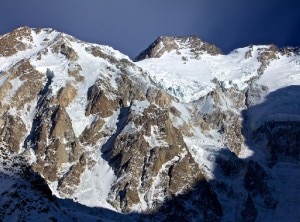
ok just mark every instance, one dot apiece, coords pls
pixel 131 25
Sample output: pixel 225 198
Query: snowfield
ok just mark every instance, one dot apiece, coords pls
pixel 189 78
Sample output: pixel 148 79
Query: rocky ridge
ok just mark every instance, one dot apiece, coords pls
pixel 167 44
pixel 107 132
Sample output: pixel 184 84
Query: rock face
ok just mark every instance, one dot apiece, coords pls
pixel 12 42
pixel 105 131
pixel 155 164
pixel 166 44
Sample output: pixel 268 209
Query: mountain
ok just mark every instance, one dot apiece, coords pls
pixel 183 133
pixel 167 44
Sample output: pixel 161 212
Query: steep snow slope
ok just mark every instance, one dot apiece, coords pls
pixel 282 72
pixel 188 78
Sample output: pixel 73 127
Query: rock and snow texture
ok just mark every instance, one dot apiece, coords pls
pixel 188 77
pixel 184 131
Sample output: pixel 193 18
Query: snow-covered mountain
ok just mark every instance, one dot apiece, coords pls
pixel 183 133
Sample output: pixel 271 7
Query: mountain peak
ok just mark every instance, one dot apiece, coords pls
pixel 181 45
pixel 184 135
pixel 25 39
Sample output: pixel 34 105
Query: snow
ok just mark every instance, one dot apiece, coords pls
pixel 189 80
pixel 32 49
pixel 91 74
pixel 111 122
pixel 27 113
pixel 60 65
pixel 113 52
pixel 207 106
pixel 155 192
pixel 30 156
pixel 184 112
pixel 95 184
pixel 155 140
pixel 96 181
pixel 281 73
pixel 16 83
pixel 138 107
pixel 204 152
pixel 179 79
pixel 280 105
pixel 76 109
pixel 129 128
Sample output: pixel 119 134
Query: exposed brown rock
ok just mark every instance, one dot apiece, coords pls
pixel 174 111
pixel 12 43
pixel 68 52
pixel 97 52
pixel 56 146
pixel 178 175
pixel 266 57
pixel 12 132
pixel 233 134
pixel 49 162
pixel 91 135
pixel 236 97
pixel 32 82
pixel 167 44
pixel 62 46
pixel 227 122
pixel 129 90
pixel 67 185
pixel 147 152
pixel 99 103
pixel 133 155
pixel 5 88
pixel 186 129
pixel 159 47
pixel 162 99
pixel 66 95
pixel 74 71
